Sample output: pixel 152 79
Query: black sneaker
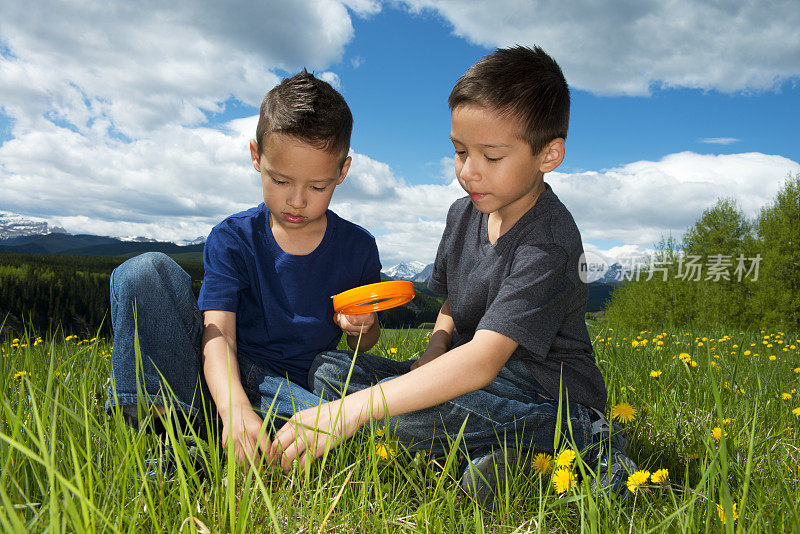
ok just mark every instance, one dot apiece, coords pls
pixel 483 476
pixel 609 448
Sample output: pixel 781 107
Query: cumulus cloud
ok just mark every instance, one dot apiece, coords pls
pixel 629 47
pixel 641 202
pixel 131 68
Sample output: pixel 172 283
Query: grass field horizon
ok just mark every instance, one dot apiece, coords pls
pixel 718 410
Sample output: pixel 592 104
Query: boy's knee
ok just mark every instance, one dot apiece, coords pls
pixel 328 372
pixel 140 273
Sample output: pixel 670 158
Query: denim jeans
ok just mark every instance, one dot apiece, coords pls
pixel 513 411
pixel 151 296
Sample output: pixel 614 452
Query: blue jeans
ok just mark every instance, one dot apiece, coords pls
pixel 170 328
pixel 513 411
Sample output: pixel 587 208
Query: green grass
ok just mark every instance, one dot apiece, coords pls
pixel 66 466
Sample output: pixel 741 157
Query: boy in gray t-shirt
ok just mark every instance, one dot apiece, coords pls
pixel 511 330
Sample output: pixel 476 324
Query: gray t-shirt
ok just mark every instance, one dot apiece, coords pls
pixel 527 287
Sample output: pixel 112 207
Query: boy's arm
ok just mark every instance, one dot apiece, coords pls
pixel 464 369
pixel 441 338
pixel 240 423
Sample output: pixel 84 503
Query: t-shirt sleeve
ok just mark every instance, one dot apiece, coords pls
pixel 530 305
pixel 438 280
pixel 371 274
pixel 225 272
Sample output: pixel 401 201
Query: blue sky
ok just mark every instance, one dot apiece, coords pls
pixel 112 123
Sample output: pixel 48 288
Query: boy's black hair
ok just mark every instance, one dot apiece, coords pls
pixel 309 109
pixel 524 84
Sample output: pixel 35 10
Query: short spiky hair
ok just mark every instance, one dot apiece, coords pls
pixel 309 109
pixel 522 83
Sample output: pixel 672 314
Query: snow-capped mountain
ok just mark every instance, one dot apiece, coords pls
pixel 196 241
pixel 13 225
pixel 137 239
pixel 424 275
pixel 404 271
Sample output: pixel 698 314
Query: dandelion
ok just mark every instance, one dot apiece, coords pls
pixel 772 358
pixel 655 374
pixel 685 357
pixel 726 421
pixel 380 432
pixel 786 396
pixel 542 463
pixel 721 513
pixel 392 350
pixel 21 374
pixel 637 479
pixel 718 433
pixel 623 412
pixel 384 451
pixel 796 411
pixel 565 458
pixel 797 370
pixel 660 476
pixel 694 363
pixel 747 353
pixel 563 480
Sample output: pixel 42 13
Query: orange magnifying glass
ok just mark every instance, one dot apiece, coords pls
pixel 373 297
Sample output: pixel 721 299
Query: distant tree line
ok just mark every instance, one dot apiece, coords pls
pixel 727 293
pixel 48 291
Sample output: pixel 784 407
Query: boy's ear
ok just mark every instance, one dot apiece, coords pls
pixel 255 155
pixel 345 168
pixel 552 155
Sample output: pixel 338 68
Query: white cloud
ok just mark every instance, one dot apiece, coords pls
pixel 719 140
pixel 628 47
pixel 134 68
pixel 641 202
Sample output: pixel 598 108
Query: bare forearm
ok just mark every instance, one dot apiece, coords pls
pixel 221 370
pixel 462 370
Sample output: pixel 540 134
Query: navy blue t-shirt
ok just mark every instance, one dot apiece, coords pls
pixel 284 312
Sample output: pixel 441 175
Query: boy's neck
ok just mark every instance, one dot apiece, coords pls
pixel 501 221
pixel 299 241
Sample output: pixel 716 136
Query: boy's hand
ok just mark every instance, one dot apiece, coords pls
pixel 244 431
pixel 309 433
pixel 353 325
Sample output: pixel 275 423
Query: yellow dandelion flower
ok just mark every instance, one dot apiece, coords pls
pixel 655 374
pixel 623 412
pixel 637 479
pixel 565 458
pixel 542 463
pixel 384 451
pixel 700 344
pixel 721 513
pixel 797 370
pixel 718 433
pixel 21 374
pixel 684 356
pixel 772 358
pixel 796 411
pixel 792 347
pixel 380 432
pixel 393 350
pixel 694 363
pixel 747 353
pixel 786 396
pixel 660 476
pixel 563 480
pixel 726 421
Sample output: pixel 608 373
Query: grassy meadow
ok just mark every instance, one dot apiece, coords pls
pixel 719 411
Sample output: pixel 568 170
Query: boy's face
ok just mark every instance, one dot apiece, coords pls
pixel 496 167
pixel 297 180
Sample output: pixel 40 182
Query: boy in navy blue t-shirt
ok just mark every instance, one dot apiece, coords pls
pixel 269 274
